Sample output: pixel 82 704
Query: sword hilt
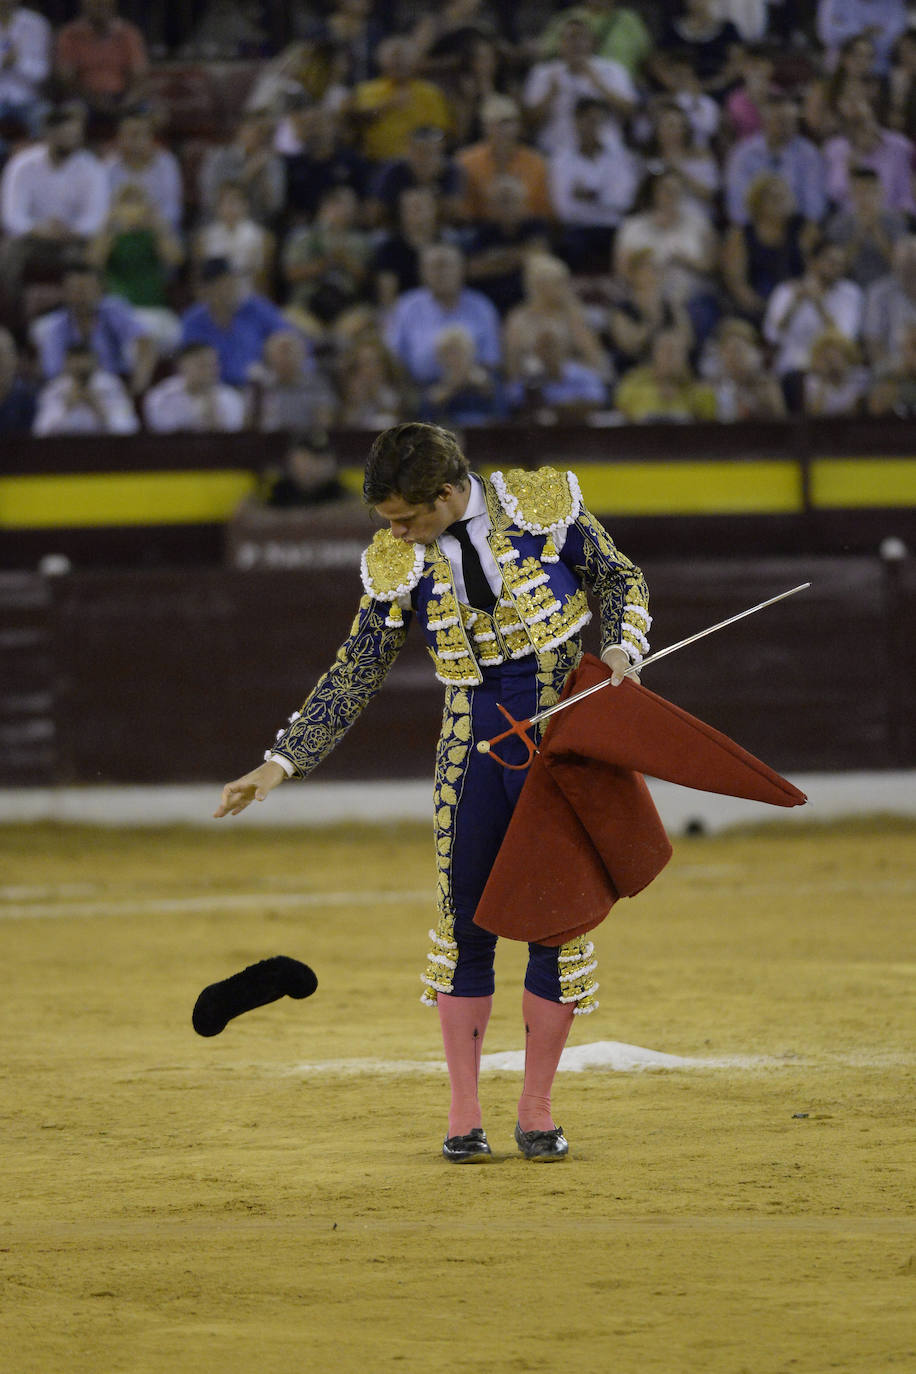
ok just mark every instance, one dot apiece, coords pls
pixel 520 729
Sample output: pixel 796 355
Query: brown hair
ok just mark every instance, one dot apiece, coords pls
pixel 415 461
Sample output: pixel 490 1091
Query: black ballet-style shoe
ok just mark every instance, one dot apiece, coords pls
pixel 467 1149
pixel 542 1146
pixel 255 986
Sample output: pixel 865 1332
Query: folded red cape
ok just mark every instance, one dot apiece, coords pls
pixel 585 830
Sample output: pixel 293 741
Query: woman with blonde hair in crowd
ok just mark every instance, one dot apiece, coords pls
pixel 757 256
pixel 836 382
pixel 549 298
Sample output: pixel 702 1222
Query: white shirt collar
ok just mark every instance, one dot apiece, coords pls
pixel 477 503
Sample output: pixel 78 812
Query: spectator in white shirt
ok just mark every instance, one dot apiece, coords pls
pixel 25 60
pixel 553 89
pixel 138 160
pixel 53 197
pixel 681 239
pixel 195 399
pixel 799 311
pixel 84 400
pixel 233 234
pixel 593 185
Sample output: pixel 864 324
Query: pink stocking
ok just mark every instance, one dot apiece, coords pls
pixel 463 1021
pixel 547 1025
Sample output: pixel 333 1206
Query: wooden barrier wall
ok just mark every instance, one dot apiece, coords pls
pixel 181 675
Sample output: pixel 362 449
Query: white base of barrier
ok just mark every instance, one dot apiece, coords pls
pixel 831 796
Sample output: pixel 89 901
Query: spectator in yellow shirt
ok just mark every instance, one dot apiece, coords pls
pixel 389 108
pixel 665 389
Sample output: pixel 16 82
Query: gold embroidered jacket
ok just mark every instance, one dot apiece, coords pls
pixel 549 550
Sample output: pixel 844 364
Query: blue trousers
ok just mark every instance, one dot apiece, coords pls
pixel 473 827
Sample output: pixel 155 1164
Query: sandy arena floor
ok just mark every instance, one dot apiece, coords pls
pixel 177 1204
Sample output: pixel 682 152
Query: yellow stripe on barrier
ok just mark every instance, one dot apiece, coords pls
pixel 688 488
pixel 702 488
pixel 849 483
pixel 764 487
pixel 121 498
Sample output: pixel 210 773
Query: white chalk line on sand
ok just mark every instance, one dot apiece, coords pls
pixel 225 901
pixel 601 1054
pixel 15 903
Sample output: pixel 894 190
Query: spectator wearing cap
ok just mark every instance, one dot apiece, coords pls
pixel 425 164
pixel 552 89
pixel 250 161
pixel 309 475
pixel 194 400
pixel 501 152
pixel 25 61
pixel 779 148
pixel 619 33
pixel 138 160
pixel 287 390
pixel 322 162
pixel 388 108
pixel 882 20
pixel 593 185
pixel 100 58
pixel 863 143
pixel 84 399
pixel 236 325
pixel 501 243
pixel 17 397
pixel 866 228
pixel 443 299
pixel 53 197
pixel 105 324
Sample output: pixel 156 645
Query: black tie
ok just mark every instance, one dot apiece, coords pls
pixel 478 589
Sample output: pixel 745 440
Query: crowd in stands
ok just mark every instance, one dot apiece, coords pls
pixel 622 212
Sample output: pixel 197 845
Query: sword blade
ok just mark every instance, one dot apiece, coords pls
pixel 671 649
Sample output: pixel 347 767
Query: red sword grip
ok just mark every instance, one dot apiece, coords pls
pixel 519 728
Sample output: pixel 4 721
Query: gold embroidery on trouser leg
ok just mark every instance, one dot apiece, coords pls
pixel 576 963
pixel 451 763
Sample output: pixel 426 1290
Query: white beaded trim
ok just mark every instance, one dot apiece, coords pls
pixel 543 614
pixel 459 681
pixel 567 633
pixel 530 585
pixel 640 611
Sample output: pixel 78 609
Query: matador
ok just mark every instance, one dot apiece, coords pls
pixel 496 574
